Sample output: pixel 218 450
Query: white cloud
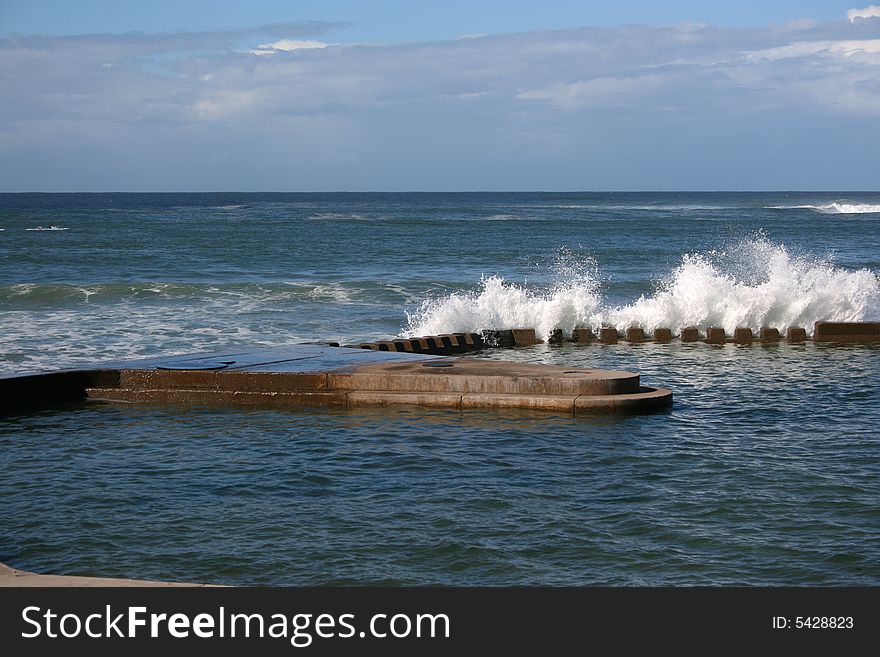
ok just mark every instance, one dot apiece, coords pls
pixel 585 69
pixel 514 106
pixel 872 11
pixel 806 48
pixel 595 92
pixel 286 45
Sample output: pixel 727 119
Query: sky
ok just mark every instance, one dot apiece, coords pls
pixel 393 95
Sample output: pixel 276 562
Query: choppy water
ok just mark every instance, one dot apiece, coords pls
pixel 764 472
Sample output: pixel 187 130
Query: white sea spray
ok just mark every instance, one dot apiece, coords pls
pixel 756 283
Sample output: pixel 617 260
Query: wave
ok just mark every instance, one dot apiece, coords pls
pixel 183 208
pixel 606 206
pixel 503 217
pixel 833 208
pixel 28 295
pixel 341 216
pixel 754 284
pixel 51 326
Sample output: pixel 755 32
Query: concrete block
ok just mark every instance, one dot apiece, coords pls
pixel 715 335
pixel 796 334
pixel 662 335
pixel 449 343
pixel 769 335
pixel 635 334
pixel 462 344
pixel 499 338
pixel 690 334
pixel 436 345
pixel 525 337
pixel 420 345
pixel 555 336
pixel 583 334
pixel 742 335
pixel 403 345
pixel 847 332
pixel 608 335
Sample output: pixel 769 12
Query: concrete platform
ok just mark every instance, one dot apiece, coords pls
pixel 320 375
pixel 11 577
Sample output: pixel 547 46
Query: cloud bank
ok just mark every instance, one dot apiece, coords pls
pixel 276 107
pixel 873 11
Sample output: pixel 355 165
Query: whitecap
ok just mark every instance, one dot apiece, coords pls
pixel 833 208
pixel 754 284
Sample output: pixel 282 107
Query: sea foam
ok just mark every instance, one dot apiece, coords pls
pixel 754 284
pixel 572 300
pixel 833 208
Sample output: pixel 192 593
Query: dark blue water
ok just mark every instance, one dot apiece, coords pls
pixel 764 472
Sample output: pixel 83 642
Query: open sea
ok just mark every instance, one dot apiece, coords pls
pixel 766 471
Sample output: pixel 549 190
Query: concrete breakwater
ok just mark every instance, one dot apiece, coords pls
pixel 322 375
pixel 456 343
pixel 390 372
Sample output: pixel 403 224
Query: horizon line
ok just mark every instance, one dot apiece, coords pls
pixel 465 191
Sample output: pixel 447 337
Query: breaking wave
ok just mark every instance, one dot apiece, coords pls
pixel 754 284
pixel 833 208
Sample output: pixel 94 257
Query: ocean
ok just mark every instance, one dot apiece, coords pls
pixel 764 472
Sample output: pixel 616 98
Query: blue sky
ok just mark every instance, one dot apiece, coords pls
pixel 394 95
pixel 394 20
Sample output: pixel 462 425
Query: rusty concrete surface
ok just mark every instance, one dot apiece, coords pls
pixel 769 335
pixel 796 334
pixel 608 335
pixel 690 334
pixel 635 334
pixel 662 335
pixel 851 333
pixel 742 335
pixel 715 335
